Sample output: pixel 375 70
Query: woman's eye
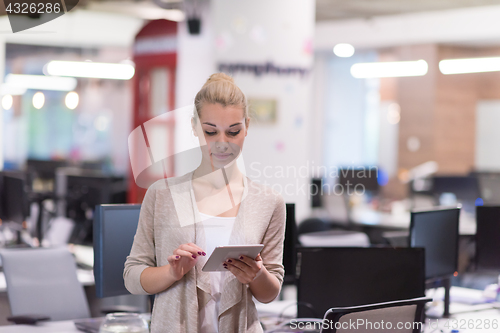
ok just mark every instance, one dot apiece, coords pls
pixel 210 133
pixel 234 133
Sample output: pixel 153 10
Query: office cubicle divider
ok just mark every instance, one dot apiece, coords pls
pixel 436 230
pixel 349 276
pixel 488 238
pixel 115 226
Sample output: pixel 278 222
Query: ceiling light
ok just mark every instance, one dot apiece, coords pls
pixel 71 100
pixel 38 100
pixel 40 82
pixel 7 102
pixel 389 69
pixel 96 70
pixel 343 50
pixel 472 65
pixel 6 89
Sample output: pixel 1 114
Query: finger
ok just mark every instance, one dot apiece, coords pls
pixel 248 261
pixel 238 273
pixel 258 258
pixel 173 258
pixel 195 250
pixel 185 254
pixel 249 271
pixel 198 249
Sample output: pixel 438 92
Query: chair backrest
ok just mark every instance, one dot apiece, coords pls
pixel 44 281
pixel 313 224
pixel 403 316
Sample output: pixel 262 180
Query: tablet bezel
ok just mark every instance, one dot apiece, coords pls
pixel 222 253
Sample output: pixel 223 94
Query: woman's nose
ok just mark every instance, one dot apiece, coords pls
pixel 221 146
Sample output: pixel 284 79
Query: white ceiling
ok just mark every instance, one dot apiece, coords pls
pixel 348 9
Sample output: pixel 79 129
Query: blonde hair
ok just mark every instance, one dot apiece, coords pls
pixel 220 88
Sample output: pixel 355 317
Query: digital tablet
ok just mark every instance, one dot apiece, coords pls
pixel 221 253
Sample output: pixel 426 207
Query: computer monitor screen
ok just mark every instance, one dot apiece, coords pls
pixel 290 243
pixel 489 188
pixel 437 232
pixel 45 169
pixel 316 192
pixel 341 276
pixel 15 199
pixel 114 231
pixel 488 237
pixel 465 189
pixel 359 180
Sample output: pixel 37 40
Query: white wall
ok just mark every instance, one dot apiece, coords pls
pixel 487 135
pixel 281 32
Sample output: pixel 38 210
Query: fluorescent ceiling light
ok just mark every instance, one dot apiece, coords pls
pixel 472 65
pixel 89 69
pixel 39 82
pixel 389 69
pixel 8 89
pixel 343 50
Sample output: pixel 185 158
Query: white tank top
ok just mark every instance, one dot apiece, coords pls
pixel 217 233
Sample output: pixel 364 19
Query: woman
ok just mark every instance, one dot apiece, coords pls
pixel 184 218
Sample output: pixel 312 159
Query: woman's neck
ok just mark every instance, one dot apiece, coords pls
pixel 228 175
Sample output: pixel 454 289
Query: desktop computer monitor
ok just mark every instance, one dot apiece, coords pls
pixel 44 169
pixel 290 244
pixel 489 188
pixel 343 276
pixel 83 193
pixel 488 237
pixel 15 201
pixel 114 231
pixel 437 232
pixel 316 192
pixel 359 180
pixel 465 188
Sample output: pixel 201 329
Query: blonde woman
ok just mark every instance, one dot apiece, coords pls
pixel 184 218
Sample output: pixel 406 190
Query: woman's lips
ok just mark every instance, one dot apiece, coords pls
pixel 221 156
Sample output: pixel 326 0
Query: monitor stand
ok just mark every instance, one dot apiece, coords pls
pixel 446 284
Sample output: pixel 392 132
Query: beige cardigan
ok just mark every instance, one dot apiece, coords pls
pixel 167 219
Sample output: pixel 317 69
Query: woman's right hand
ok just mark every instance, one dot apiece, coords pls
pixel 183 259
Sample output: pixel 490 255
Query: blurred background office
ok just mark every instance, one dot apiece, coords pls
pixel 359 114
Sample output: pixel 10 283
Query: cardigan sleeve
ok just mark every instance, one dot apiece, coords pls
pixel 272 253
pixel 142 254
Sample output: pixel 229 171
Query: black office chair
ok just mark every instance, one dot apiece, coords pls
pixel 408 313
pixel 313 224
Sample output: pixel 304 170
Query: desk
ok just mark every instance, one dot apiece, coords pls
pixel 463 314
pixel 364 216
pixel 66 326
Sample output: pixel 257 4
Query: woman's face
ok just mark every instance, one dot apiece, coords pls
pixel 224 130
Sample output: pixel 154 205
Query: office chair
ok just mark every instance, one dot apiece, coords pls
pixel 316 231
pixel 408 312
pixel 43 281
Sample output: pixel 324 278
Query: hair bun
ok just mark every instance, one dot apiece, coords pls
pixel 219 77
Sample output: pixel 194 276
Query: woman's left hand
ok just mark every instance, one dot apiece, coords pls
pixel 244 268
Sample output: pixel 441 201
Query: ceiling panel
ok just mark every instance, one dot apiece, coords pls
pixel 348 9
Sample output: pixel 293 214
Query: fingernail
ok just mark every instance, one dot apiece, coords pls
pixel 177 257
pixel 229 260
pixel 224 264
pixel 225 267
pixel 199 253
pixel 241 257
pixel 194 257
pixel 204 253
